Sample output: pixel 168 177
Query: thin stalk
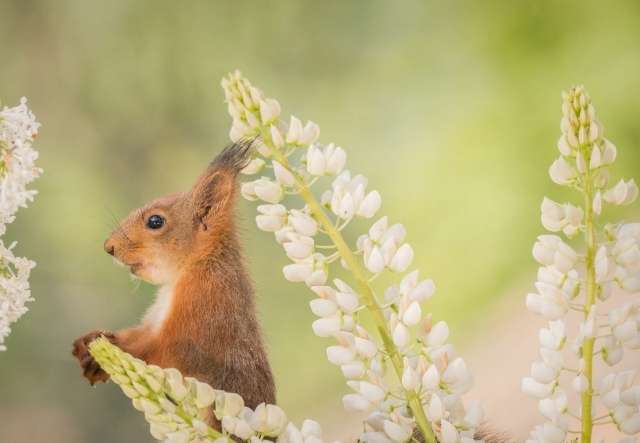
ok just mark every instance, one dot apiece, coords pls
pixel 587 346
pixel 365 290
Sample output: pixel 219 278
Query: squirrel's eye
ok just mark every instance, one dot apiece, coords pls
pixel 155 222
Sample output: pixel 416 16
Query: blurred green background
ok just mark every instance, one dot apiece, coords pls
pixel 450 108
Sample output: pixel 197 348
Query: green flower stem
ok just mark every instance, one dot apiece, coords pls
pixel 587 346
pixel 363 285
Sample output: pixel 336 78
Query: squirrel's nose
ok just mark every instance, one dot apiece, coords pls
pixel 109 248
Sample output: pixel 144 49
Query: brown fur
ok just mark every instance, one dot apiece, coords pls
pixel 209 330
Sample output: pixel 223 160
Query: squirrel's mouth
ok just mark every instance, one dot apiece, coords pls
pixel 135 267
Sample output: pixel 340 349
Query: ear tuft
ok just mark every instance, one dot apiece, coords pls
pixel 234 157
pixel 214 190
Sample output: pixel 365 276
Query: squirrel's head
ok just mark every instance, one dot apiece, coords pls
pixel 158 239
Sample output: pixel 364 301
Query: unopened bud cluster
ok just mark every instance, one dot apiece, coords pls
pixel 179 408
pixel 18 129
pixel 430 377
pixel 572 280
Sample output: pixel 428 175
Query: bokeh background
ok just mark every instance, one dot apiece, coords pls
pixel 451 109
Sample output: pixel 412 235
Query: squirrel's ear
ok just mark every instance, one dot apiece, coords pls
pixel 215 189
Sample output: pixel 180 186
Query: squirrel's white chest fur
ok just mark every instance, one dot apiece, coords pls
pixel 158 311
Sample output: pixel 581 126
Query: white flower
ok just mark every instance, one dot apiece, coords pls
pixel 551 303
pixel 561 172
pixel 402 258
pixel 272 218
pixel 412 315
pixel 303 223
pixel 597 203
pixel 269 110
pixel 431 378
pixel 605 267
pixel 327 161
pixel 283 175
pixel 374 261
pixel 311 270
pixel 365 347
pixel 612 351
pixel 239 130
pixel 449 432
pixel 536 389
pixel 435 409
pixel 550 250
pixel 609 152
pixel 302 136
pixel 400 335
pixel 298 247
pixel 340 355
pixel 254 166
pixel 631 425
pixel 348 197
pixel 410 378
pixel 323 307
pixel 622 193
pixel 326 327
pixel 554 337
pixel 263 189
pixel 457 376
pixel 547 433
pixel 396 432
pixel 580 383
pixel 355 402
pixel 14 290
pixel 276 138
pixel 269 420
pixel 438 335
pixel 543 373
pixel 18 129
pixel 556 217
pixel 310 134
pixel 435 370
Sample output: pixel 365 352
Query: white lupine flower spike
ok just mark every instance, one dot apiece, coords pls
pixel 573 279
pixel 18 130
pixel 177 408
pixel 426 368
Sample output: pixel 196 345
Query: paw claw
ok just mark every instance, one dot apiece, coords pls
pixel 90 368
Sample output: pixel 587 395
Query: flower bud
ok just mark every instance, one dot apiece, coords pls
pixel 402 258
pixel 326 327
pixel 310 133
pixel 303 223
pixel 561 172
pixel 396 432
pixel 535 389
pixel 267 190
pixel 283 175
pixel 269 110
pixel 339 355
pixel 355 402
pixel 370 205
pixel 623 193
pixel 316 163
pixel 253 167
pixel 295 130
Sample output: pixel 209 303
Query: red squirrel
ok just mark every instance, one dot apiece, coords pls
pixel 203 321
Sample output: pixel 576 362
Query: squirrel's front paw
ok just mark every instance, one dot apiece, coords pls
pixel 90 368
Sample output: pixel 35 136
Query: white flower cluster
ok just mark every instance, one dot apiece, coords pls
pixel 177 408
pixel 568 280
pixel 18 129
pixel 430 377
